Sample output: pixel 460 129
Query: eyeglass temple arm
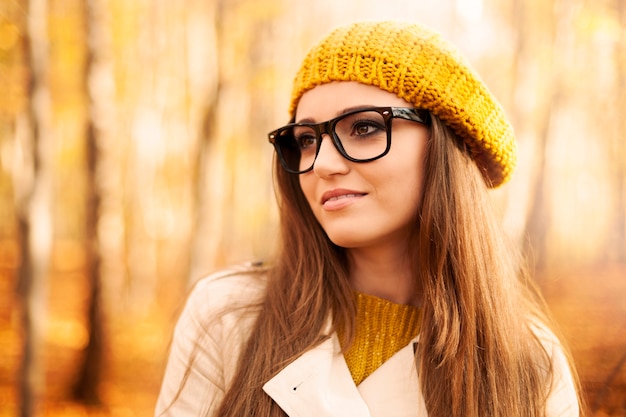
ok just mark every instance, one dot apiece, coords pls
pixel 416 115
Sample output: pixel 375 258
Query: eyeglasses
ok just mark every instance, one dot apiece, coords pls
pixel 362 135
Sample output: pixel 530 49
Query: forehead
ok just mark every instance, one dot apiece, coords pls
pixel 326 101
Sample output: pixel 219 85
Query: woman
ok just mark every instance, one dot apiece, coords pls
pixel 393 292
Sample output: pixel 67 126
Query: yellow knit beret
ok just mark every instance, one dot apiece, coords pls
pixel 419 66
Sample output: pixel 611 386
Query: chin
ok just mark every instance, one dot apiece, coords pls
pixel 348 241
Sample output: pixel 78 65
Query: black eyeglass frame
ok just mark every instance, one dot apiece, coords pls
pixel 388 113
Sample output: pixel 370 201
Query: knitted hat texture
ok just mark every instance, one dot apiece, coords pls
pixel 419 66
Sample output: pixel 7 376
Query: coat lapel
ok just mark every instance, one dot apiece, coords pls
pixel 393 389
pixel 317 384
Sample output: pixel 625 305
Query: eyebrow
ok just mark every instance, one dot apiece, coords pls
pixel 340 112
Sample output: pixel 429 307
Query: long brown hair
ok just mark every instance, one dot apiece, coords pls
pixel 477 354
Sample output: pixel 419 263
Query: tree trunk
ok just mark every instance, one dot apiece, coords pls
pixel 25 290
pixel 617 242
pixel 90 374
pixel 35 222
pixel 89 377
pixel 527 38
pixel 203 253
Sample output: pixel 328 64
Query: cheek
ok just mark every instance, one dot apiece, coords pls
pixel 404 192
pixel 406 179
pixel 417 174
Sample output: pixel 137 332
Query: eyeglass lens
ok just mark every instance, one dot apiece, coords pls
pixel 360 136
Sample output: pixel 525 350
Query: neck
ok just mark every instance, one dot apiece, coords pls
pixel 384 274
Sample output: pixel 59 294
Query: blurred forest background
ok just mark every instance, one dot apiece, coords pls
pixel 134 160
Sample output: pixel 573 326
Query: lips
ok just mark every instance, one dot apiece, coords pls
pixel 337 195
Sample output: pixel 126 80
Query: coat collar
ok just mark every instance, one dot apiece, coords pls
pixel 319 384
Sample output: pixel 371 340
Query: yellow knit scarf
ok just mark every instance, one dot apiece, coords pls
pixel 382 329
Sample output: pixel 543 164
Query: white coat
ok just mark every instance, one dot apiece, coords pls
pixel 212 330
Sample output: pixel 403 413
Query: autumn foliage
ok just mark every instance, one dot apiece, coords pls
pixel 134 159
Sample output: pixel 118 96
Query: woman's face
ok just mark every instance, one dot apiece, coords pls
pixel 363 205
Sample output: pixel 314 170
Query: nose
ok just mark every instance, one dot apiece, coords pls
pixel 329 161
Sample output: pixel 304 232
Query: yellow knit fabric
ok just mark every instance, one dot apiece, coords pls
pixel 382 329
pixel 419 66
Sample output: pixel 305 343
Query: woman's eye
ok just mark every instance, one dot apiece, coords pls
pixel 366 128
pixel 305 141
pixel 363 129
